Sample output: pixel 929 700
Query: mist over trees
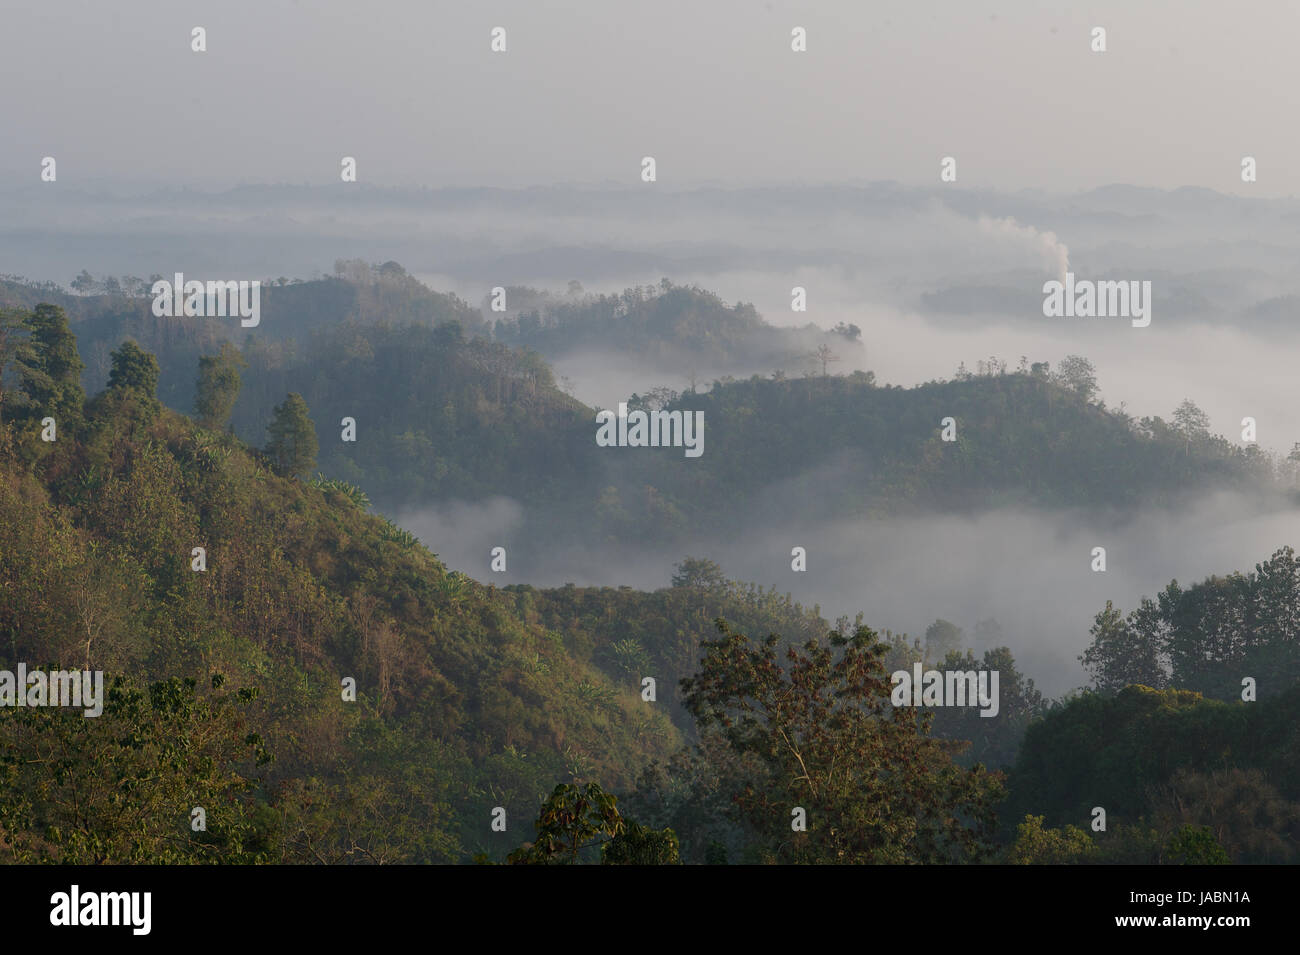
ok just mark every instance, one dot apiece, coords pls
pixel 224 597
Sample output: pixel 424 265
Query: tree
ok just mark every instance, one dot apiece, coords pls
pixel 1036 845
pixel 572 819
pixel 134 369
pixel 698 572
pixel 218 387
pixel 292 448
pixel 641 845
pixel 1077 373
pixel 84 283
pixel 825 356
pixel 52 381
pixel 820 733
pixel 578 818
pixel 993 741
pixel 941 639
pixel 16 347
pixel 1191 422
pixel 130 401
pixel 1123 653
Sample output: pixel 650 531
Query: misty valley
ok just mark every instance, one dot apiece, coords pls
pixel 368 582
pixel 648 435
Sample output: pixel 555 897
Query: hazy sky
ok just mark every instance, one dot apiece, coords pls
pixel 710 88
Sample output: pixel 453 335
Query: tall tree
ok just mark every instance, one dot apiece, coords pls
pixel 1190 420
pixel 16 348
pixel 218 387
pixel 1192 423
pixel 1078 374
pixel 134 369
pixel 53 379
pixel 1123 652
pixel 292 448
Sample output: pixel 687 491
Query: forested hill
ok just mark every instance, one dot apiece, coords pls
pixel 440 418
pixel 1015 437
pixel 319 681
pixel 328 691
pixel 668 326
pixel 443 413
pixel 138 543
pixel 107 311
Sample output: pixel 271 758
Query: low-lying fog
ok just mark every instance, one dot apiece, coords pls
pixel 1029 569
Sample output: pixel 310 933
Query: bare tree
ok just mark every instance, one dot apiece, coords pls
pixel 824 355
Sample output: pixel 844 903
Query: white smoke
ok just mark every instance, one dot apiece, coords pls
pixel 1055 254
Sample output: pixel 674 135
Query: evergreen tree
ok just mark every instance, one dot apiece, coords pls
pixel 134 369
pixel 292 448
pixel 53 380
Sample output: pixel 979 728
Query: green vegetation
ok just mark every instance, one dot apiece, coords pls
pixel 292 447
pixel 232 606
pixel 575 820
pixel 1160 760
pixel 820 736
pixel 1207 637
pixel 460 705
